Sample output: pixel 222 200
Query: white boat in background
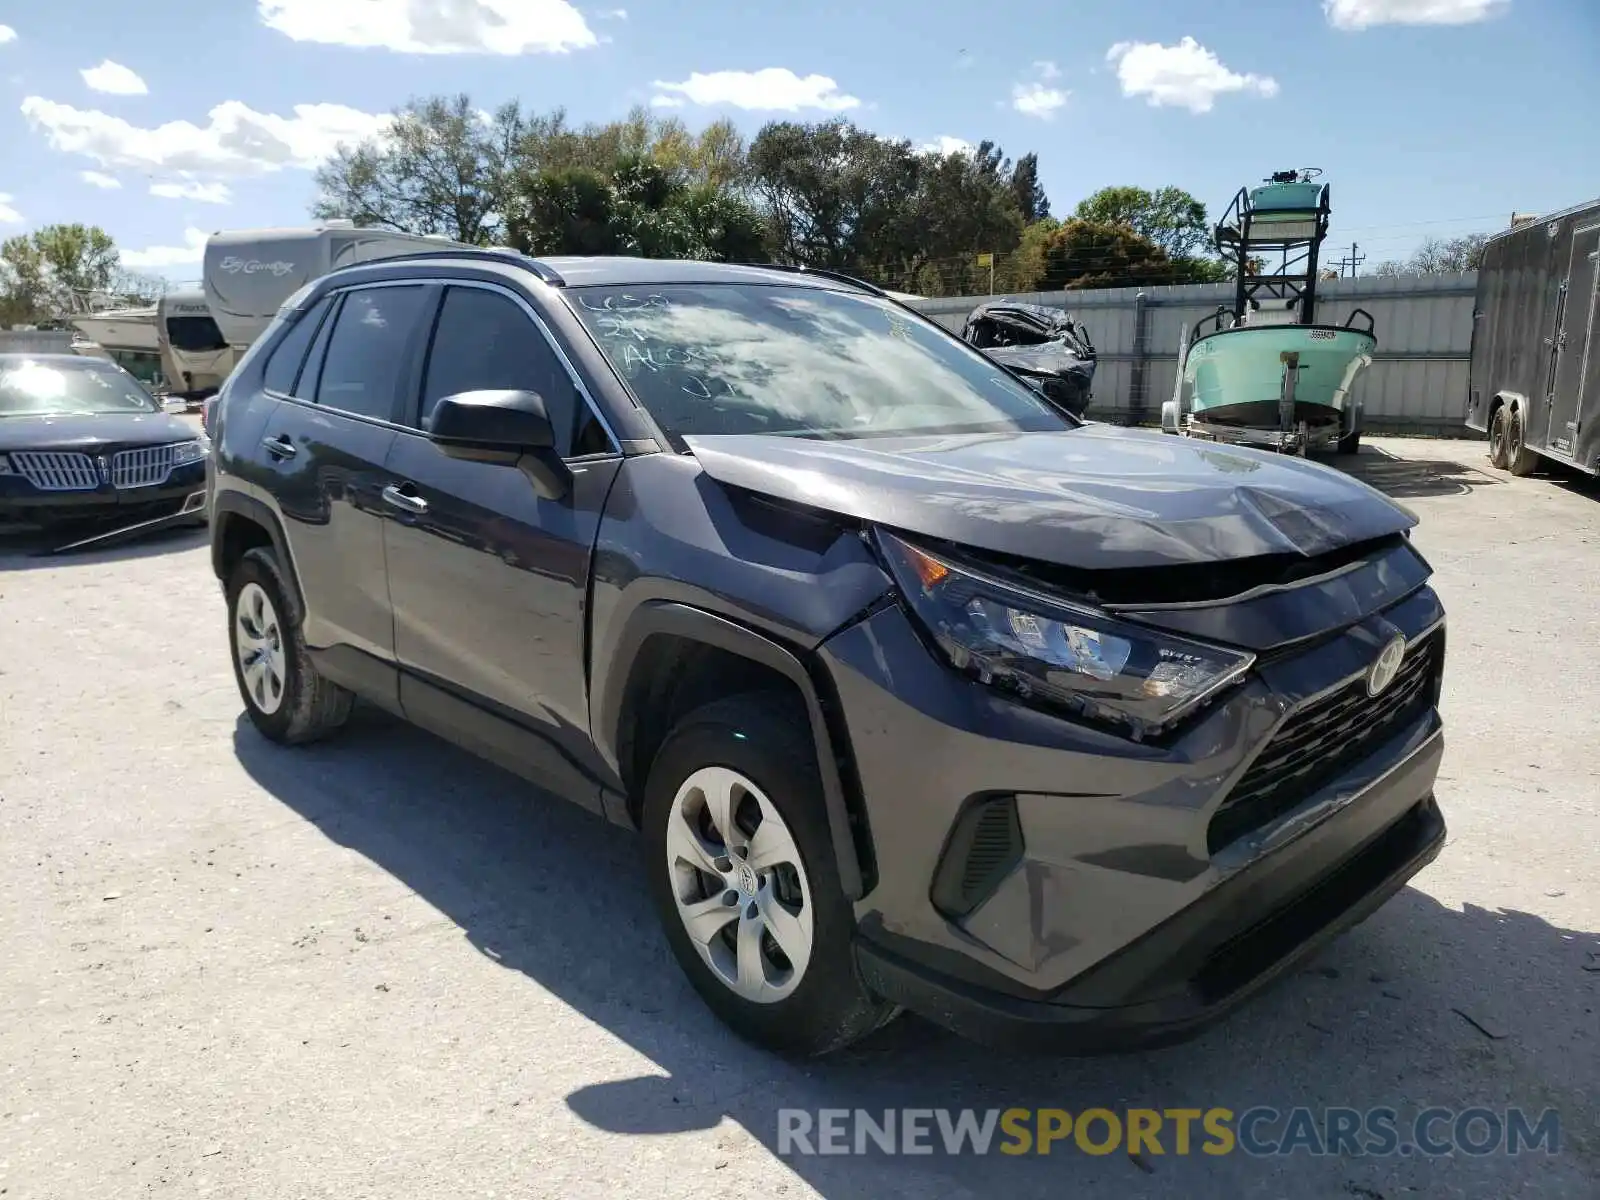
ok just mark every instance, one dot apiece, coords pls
pixel 128 336
pixel 122 328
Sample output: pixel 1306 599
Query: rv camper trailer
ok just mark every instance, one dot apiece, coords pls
pixel 195 357
pixel 249 273
pixel 1534 383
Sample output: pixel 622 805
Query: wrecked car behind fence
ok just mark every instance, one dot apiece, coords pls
pixel 1045 346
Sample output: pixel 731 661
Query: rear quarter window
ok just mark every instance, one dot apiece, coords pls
pixel 289 355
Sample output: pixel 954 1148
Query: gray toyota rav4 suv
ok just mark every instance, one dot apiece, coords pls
pixel 923 693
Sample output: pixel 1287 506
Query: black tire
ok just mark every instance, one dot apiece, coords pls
pixel 1499 430
pixel 765 738
pixel 1350 443
pixel 312 707
pixel 1519 459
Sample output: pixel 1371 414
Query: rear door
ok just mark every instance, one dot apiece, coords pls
pixel 327 442
pixel 489 581
pixel 1574 340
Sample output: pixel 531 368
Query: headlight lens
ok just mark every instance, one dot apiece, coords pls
pixel 193 451
pixel 1126 676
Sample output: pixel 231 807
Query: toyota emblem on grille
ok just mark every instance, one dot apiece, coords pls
pixel 1386 666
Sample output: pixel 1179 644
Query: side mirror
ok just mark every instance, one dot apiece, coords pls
pixel 509 427
pixel 494 421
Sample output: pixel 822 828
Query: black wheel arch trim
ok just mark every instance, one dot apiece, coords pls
pixel 654 618
pixel 227 503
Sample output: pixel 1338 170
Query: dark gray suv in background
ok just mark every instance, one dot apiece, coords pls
pixel 923 693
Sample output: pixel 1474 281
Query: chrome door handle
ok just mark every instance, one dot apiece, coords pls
pixel 280 446
pixel 404 501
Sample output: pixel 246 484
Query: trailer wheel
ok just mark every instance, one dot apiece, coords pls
pixel 1498 430
pixel 1519 459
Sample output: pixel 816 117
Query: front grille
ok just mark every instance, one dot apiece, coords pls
pixel 1320 742
pixel 57 470
pixel 144 467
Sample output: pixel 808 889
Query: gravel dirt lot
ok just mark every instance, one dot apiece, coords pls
pixel 380 968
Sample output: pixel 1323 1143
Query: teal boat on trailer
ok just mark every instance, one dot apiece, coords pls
pixel 1264 371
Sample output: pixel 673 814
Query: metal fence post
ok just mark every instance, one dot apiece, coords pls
pixel 1141 365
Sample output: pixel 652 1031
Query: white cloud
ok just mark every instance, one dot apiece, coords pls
pixel 192 251
pixel 8 215
pixel 100 179
pixel 434 26
pixel 1035 97
pixel 114 79
pixel 1363 14
pixel 612 14
pixel 235 140
pixel 7 34
pixel 945 144
pixel 193 189
pixel 1183 76
pixel 773 89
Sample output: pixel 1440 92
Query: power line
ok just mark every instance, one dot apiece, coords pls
pixel 1351 261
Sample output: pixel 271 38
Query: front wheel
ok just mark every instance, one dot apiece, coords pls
pixel 285 697
pixel 741 870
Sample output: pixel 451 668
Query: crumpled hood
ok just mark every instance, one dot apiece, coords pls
pixel 1094 498
pixel 86 432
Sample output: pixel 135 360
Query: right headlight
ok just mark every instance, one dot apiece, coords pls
pixel 1136 680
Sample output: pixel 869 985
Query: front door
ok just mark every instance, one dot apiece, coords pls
pixel 490 581
pixel 1574 341
pixel 327 441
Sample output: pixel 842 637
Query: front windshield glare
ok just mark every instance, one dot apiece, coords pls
pixel 802 361
pixel 31 388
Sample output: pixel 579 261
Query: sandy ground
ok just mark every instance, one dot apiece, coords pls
pixel 379 968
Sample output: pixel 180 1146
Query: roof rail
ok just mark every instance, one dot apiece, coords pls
pixel 496 254
pixel 822 272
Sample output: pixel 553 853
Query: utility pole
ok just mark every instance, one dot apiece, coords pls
pixel 1353 260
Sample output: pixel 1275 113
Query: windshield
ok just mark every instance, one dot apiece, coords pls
pixel 31 388
pixel 808 362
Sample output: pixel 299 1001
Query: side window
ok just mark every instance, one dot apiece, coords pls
pixel 283 368
pixel 484 340
pixel 367 350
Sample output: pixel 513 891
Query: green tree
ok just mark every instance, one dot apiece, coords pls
pixel 837 196
pixel 48 274
pixel 1168 217
pixel 637 207
pixel 1093 254
pixel 443 168
pixel 1032 203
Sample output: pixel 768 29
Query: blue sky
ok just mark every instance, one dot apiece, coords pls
pixel 166 120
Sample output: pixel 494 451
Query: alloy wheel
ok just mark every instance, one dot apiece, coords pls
pixel 740 886
pixel 258 642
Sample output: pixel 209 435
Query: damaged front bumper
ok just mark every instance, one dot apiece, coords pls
pixel 1056 887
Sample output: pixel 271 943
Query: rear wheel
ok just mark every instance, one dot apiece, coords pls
pixel 1519 459
pixel 286 699
pixel 1498 432
pixel 741 869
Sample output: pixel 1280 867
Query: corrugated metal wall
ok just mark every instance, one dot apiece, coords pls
pixel 1417 381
